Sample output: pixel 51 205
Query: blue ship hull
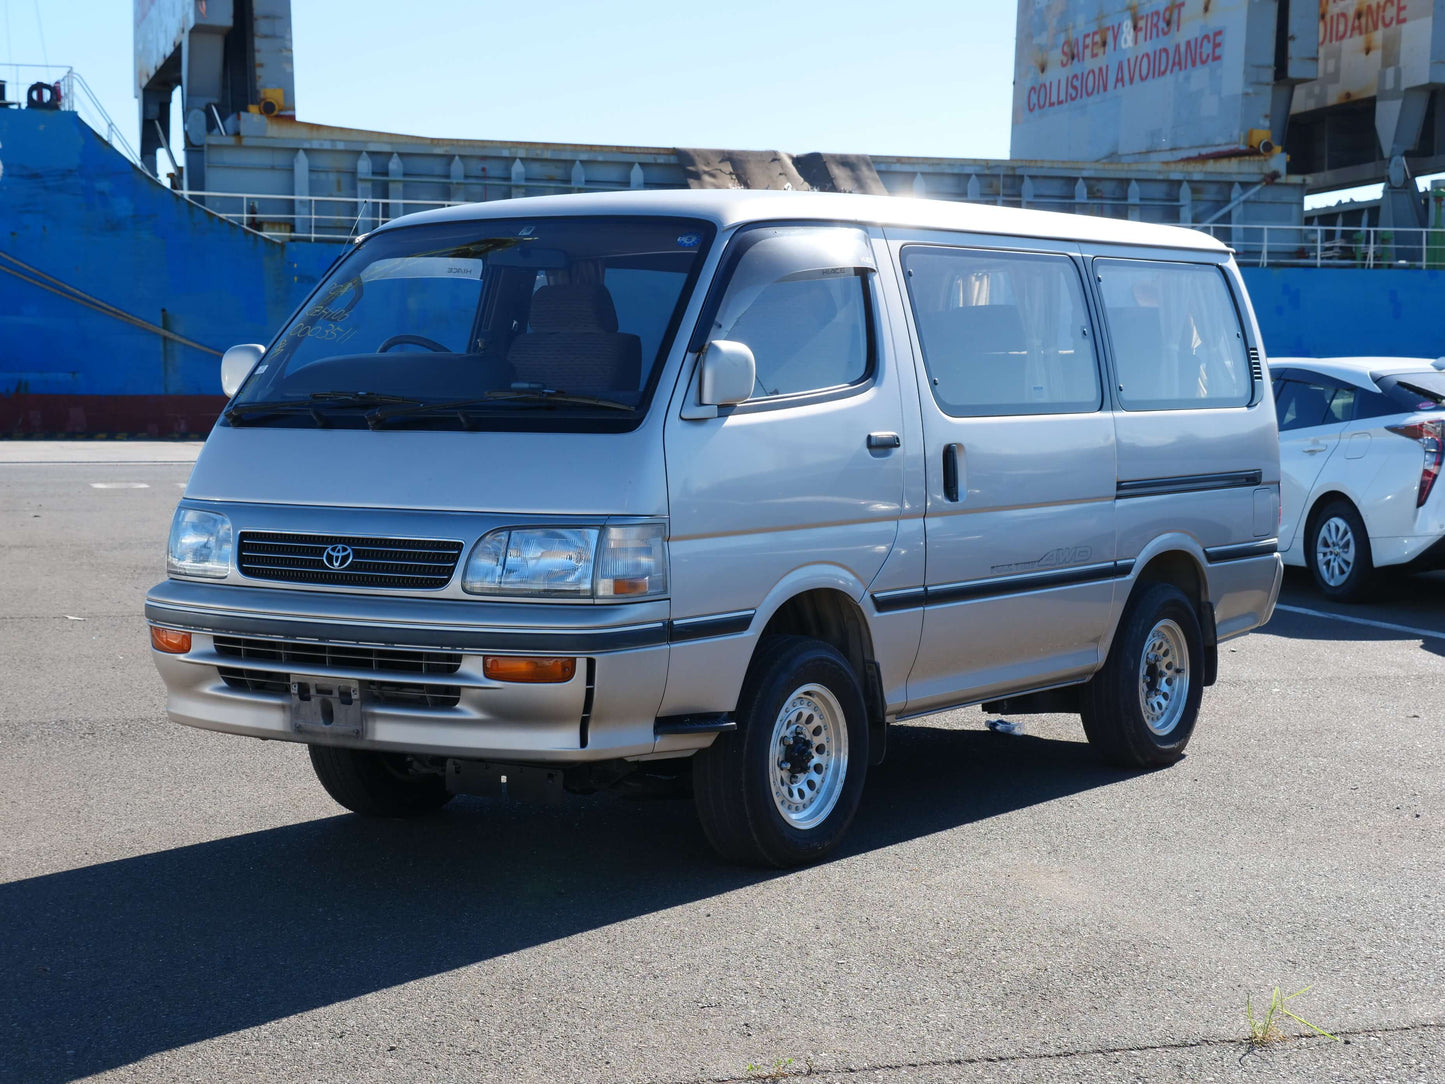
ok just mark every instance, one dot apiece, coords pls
pixel 117 296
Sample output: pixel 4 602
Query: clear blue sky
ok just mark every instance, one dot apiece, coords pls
pixel 925 77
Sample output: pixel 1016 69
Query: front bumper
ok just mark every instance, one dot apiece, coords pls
pixel 246 642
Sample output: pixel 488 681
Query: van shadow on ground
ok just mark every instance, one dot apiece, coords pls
pixel 109 963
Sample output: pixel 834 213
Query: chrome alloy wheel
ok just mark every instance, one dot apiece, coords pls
pixel 1164 677
pixel 809 756
pixel 1335 551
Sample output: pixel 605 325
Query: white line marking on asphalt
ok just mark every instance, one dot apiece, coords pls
pixel 97 452
pixel 120 485
pixel 1429 634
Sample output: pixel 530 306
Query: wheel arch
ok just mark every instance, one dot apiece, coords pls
pixel 1180 562
pixel 830 614
pixel 1363 569
pixel 1317 506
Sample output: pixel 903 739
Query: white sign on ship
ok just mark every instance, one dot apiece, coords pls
pixel 1360 39
pixel 1101 80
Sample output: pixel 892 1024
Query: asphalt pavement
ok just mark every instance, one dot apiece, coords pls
pixel 177 905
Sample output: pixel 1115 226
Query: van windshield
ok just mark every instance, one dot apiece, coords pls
pixel 546 323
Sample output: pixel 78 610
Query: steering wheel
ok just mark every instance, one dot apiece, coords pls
pixel 412 340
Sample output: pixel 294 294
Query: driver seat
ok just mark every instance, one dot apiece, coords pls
pixel 573 343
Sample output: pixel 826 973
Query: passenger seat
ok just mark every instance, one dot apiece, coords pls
pixel 573 343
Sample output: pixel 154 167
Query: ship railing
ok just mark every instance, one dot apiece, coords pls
pixel 309 218
pixel 74 95
pixel 285 217
pixel 1377 247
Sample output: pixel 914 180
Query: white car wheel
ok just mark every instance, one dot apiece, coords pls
pixel 1339 552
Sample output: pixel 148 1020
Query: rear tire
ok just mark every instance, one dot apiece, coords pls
pixel 376 784
pixel 782 789
pixel 1339 553
pixel 1139 711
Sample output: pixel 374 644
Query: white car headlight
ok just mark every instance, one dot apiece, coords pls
pixel 200 544
pixel 625 561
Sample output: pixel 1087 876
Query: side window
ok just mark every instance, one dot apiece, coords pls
pixel 1177 339
pixel 1369 404
pixel 1342 405
pixel 1283 400
pixel 1281 390
pixel 1002 332
pixel 799 298
pixel 807 335
pixel 1302 405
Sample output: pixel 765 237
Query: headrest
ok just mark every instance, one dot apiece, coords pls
pixel 573 307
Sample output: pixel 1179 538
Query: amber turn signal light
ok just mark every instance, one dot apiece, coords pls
pixel 635 585
pixel 171 641
pixel 530 669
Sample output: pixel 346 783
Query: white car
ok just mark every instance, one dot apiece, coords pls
pixel 1361 443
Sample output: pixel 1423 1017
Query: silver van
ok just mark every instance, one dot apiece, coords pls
pixel 567 493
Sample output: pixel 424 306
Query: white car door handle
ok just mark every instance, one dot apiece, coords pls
pixel 1315 449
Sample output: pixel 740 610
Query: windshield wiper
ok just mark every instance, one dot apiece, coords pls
pixel 360 398
pixel 275 406
pixel 316 400
pixel 537 394
pixel 551 395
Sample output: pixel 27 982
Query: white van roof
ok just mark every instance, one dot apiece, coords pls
pixel 733 207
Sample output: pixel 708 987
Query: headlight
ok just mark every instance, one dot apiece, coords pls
pixel 200 544
pixel 625 561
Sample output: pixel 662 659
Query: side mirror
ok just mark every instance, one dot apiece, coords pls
pixel 727 373
pixel 236 365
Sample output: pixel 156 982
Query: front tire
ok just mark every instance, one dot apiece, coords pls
pixel 1139 710
pixel 376 784
pixel 1339 553
pixel 782 789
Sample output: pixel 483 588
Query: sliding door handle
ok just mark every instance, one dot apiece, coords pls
pixel 952 463
pixel 883 441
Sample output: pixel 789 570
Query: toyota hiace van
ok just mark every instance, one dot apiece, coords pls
pixel 561 492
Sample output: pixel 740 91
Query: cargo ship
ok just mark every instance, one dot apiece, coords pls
pixel 124 274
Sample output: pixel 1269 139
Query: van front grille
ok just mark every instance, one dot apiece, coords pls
pixel 391 693
pixel 301 655
pixel 386 663
pixel 347 561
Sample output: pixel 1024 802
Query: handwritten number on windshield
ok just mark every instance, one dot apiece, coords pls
pixel 326 331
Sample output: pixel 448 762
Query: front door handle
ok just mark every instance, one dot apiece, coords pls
pixel 883 441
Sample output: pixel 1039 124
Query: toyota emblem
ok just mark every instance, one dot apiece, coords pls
pixel 337 557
